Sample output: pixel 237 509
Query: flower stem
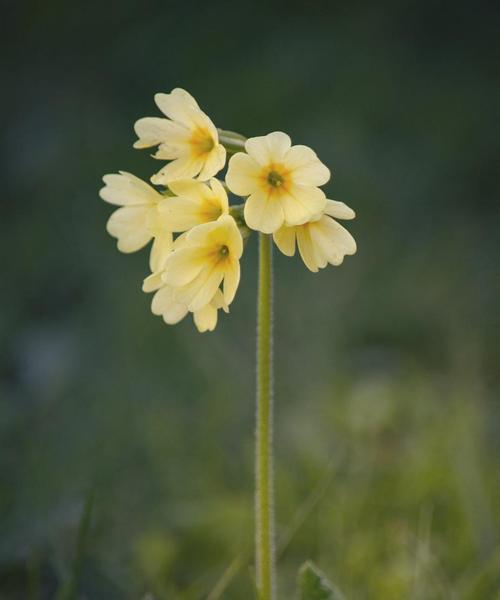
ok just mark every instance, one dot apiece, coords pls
pixel 264 477
pixel 233 142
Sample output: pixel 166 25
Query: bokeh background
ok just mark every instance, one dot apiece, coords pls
pixel 386 368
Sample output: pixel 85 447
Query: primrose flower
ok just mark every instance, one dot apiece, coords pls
pixel 209 257
pixel 187 137
pixel 195 203
pixel 280 181
pixel 138 220
pixel 322 240
pixel 172 303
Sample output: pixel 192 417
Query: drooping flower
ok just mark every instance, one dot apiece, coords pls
pixel 280 181
pixel 208 258
pixel 171 303
pixel 320 241
pixel 195 203
pixel 138 220
pixel 187 138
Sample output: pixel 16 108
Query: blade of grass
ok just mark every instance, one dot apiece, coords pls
pixel 67 591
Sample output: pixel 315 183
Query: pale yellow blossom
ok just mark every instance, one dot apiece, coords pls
pixel 320 241
pixel 187 138
pixel 138 221
pixel 166 303
pixel 194 203
pixel 208 259
pixel 280 181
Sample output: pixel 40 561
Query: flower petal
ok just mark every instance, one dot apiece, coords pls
pixel 338 210
pixel 160 250
pixel 179 105
pixel 152 282
pixel 165 304
pixel 305 166
pixel 125 189
pixel 333 240
pixel 152 131
pixel 263 213
pixel 181 168
pixel 284 238
pixel 206 291
pixel 242 174
pixel 205 319
pixel 306 248
pixel 130 225
pixel 214 162
pixel 268 148
pixel 231 281
pixel 302 203
pixel 183 266
pixel 221 194
pixel 181 213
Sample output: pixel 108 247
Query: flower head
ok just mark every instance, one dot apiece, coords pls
pixel 208 257
pixel 280 181
pixel 174 302
pixel 138 219
pixel 322 240
pixel 195 203
pixel 187 137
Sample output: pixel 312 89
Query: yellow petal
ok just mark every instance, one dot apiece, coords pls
pixel 338 210
pixel 130 225
pixel 180 213
pixel 306 248
pixel 205 319
pixel 242 174
pixel 332 240
pixel 231 281
pixel 268 148
pixel 160 250
pixel 165 304
pixel 284 238
pixel 302 203
pixel 214 162
pixel 263 213
pixel 152 283
pixel 179 105
pixel 305 166
pixel 183 266
pixel 125 189
pixel 181 168
pixel 152 131
pixel 206 291
pixel 221 194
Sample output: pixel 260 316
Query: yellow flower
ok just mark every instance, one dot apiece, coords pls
pixel 188 138
pixel 195 203
pixel 166 302
pixel 280 181
pixel 208 258
pixel 320 241
pixel 138 220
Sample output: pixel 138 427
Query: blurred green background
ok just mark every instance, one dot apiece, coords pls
pixel 386 368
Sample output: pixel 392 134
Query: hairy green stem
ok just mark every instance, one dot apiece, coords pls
pixel 264 476
pixel 233 142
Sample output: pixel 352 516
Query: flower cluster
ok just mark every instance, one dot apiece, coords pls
pixel 197 236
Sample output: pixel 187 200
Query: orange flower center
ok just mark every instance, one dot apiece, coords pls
pixel 202 141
